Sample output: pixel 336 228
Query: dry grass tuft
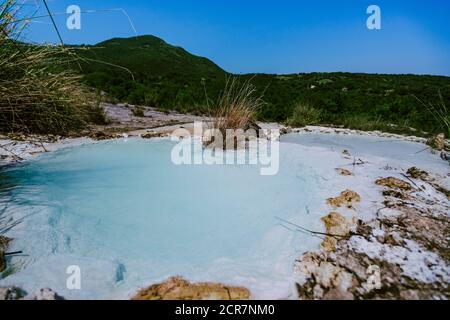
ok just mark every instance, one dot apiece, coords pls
pixel 440 113
pixel 37 93
pixel 236 107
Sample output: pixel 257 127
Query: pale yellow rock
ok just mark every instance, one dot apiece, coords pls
pixel 394 183
pixel 344 172
pixel 337 226
pixel 177 288
pixel 347 199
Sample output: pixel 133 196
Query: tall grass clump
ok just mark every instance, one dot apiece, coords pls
pixel 236 107
pixel 37 92
pixel 440 113
pixel 303 115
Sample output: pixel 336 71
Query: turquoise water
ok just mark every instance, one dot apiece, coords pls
pixel 128 216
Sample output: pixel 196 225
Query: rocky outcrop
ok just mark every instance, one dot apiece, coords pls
pixel 177 288
pixel 402 254
pixel 347 198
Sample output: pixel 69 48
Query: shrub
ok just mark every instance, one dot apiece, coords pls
pixel 303 115
pixel 138 111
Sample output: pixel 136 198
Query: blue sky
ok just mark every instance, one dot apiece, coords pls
pixel 277 36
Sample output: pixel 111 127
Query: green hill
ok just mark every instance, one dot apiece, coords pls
pixel 157 71
pixel 149 55
pixel 169 77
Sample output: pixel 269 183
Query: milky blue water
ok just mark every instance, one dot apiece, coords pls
pixel 128 217
pixel 124 213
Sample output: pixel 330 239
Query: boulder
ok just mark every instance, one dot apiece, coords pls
pixel 177 288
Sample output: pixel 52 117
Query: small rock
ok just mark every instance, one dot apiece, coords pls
pixel 285 130
pixel 346 154
pixel 152 134
pixel 344 172
pixel 394 183
pixel 337 225
pixel 100 135
pixel 416 173
pixel 177 288
pixel 4 241
pixel 437 142
pixel 395 194
pixel 347 198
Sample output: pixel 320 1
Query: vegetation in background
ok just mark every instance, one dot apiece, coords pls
pixel 170 78
pixel 440 113
pixel 37 93
pixel 162 76
pixel 304 115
